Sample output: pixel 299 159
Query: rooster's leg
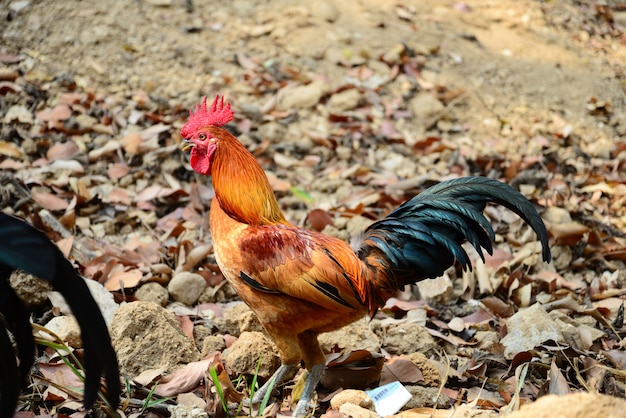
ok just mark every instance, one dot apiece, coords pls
pixel 315 373
pixel 276 379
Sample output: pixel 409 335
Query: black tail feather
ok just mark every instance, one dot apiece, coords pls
pixel 424 236
pixel 25 248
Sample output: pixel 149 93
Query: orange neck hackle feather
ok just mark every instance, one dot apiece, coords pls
pixel 241 186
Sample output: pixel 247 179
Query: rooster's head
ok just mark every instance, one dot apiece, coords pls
pixel 199 132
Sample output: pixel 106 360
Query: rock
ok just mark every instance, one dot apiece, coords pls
pixel 200 332
pixel 486 339
pixel 619 17
pixel 238 318
pixel 160 3
pixel 439 288
pixel 252 349
pixel 426 108
pixel 324 10
pixel 308 42
pixel 66 328
pixel 528 328
pixel 578 334
pixel 422 397
pixel 355 411
pixel 574 405
pixel 355 336
pixel 394 54
pixel 345 100
pixel 405 338
pixel 556 215
pixel 186 287
pixel 146 336
pixel 85 121
pixel 18 6
pixel 273 131
pixel 103 298
pixel 18 113
pixel 357 224
pixel 355 397
pixel 211 344
pixel 293 97
pixel 431 374
pixel 221 293
pixel 186 411
pixel 153 292
pixel 32 291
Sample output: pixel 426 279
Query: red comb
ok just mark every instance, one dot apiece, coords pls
pixel 218 114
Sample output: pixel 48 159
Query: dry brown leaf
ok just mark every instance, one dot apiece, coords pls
pixel 452 339
pixel 477 317
pixel 569 233
pixel 424 413
pixel 126 279
pixel 484 397
pixel 117 170
pixel 9 164
pixel 10 149
pixel 62 151
pixel 319 219
pixel 401 370
pixel 59 112
pixel 186 325
pixel 498 307
pixel 187 378
pixel 498 258
pixel 71 98
pixel 118 195
pixel 65 245
pixel 558 383
pixel 456 324
pixel 148 376
pixel 560 281
pixel 153 192
pixel 63 377
pixel 617 358
pixel 131 143
pixel 278 185
pixel 187 262
pixel 190 400
pixel 594 372
pixel 355 369
pixel 49 201
pixel 404 305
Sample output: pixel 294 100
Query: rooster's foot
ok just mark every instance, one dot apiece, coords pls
pixel 315 373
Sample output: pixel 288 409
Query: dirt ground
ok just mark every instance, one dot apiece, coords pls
pixel 518 63
pixel 343 102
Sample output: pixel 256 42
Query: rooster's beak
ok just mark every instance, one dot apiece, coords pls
pixel 186 145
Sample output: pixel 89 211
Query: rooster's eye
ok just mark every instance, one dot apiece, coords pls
pixel 202 137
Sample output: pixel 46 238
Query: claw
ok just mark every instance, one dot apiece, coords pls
pixel 277 378
pixel 315 373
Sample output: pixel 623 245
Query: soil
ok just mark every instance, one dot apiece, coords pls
pixel 518 64
pixel 344 103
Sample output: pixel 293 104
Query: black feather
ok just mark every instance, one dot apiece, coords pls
pixel 25 248
pixel 254 284
pixel 423 237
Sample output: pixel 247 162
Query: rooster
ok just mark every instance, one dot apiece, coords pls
pixel 301 283
pixel 23 247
